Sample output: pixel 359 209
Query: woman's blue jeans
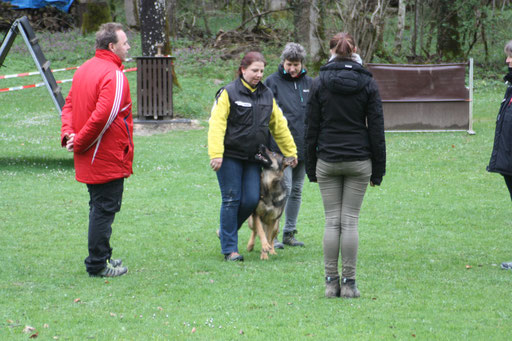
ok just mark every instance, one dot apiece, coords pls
pixel 239 183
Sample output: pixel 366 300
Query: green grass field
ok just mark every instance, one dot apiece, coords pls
pixel 431 237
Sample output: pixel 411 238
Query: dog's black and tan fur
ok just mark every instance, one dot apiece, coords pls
pixel 264 221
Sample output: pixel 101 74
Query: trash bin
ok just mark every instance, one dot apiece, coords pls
pixel 154 89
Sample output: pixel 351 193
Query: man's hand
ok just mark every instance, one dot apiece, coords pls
pixel 216 163
pixel 70 141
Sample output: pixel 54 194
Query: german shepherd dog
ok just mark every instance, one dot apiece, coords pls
pixel 264 221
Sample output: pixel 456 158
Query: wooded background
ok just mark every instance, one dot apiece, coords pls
pixel 390 31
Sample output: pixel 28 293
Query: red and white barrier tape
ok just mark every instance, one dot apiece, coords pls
pixel 37 85
pixel 25 74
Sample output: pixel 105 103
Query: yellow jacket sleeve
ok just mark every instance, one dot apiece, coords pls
pixel 218 123
pixel 279 129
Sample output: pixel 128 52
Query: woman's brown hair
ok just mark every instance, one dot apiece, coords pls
pixel 248 59
pixel 343 44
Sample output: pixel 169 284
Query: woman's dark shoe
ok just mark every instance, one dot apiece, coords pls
pixel 506 265
pixel 289 239
pixel 234 257
pixel 278 244
pixel 332 287
pixel 349 288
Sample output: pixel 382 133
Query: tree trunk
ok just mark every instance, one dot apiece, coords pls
pixel 171 18
pixel 400 26
pixel 365 20
pixel 152 26
pixel 244 10
pixel 415 29
pixel 94 13
pixel 275 5
pixel 420 27
pixel 484 41
pixel 448 44
pixel 132 13
pixel 428 44
pixel 202 12
pixel 309 30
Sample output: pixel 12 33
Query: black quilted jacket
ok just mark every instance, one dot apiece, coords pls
pixel 501 157
pixel 344 120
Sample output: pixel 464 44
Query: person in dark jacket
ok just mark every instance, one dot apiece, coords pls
pixel 290 86
pixel 501 156
pixel 243 116
pixel 345 150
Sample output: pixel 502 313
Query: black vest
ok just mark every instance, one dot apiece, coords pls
pixel 248 120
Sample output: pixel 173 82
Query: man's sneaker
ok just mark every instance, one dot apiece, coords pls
pixel 289 239
pixel 332 287
pixel 115 262
pixel 110 271
pixel 349 288
pixel 506 265
pixel 278 244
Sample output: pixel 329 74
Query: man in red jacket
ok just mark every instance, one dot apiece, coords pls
pixel 97 126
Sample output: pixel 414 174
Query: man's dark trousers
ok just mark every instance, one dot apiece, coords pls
pixel 104 204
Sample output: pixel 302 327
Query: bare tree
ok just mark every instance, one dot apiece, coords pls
pixel 132 13
pixel 365 20
pixel 400 26
pixel 309 30
pixel 172 6
pixel 276 4
pixel 93 13
pixel 243 10
pixel 448 35
pixel 415 30
pixel 202 12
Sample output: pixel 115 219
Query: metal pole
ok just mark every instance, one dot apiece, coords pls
pixel 7 42
pixel 471 131
pixel 39 68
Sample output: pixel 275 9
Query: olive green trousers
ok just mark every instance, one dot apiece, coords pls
pixel 342 187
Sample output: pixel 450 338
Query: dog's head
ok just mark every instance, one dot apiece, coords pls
pixel 272 160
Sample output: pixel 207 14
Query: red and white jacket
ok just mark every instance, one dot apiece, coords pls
pixel 98 111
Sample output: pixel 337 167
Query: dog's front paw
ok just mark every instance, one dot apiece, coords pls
pixel 266 247
pixel 250 246
pixel 273 252
pixel 264 255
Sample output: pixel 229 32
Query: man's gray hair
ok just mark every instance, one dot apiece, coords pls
pixel 107 34
pixel 508 49
pixel 294 53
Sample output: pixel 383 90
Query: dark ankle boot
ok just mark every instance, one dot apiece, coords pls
pixel 278 244
pixel 349 288
pixel 332 287
pixel 289 239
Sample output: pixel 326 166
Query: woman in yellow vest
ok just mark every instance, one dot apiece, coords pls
pixel 243 116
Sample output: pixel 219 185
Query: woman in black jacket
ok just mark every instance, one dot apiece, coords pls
pixel 345 150
pixel 501 157
pixel 290 85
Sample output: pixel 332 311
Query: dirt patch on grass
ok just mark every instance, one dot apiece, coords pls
pixel 152 128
